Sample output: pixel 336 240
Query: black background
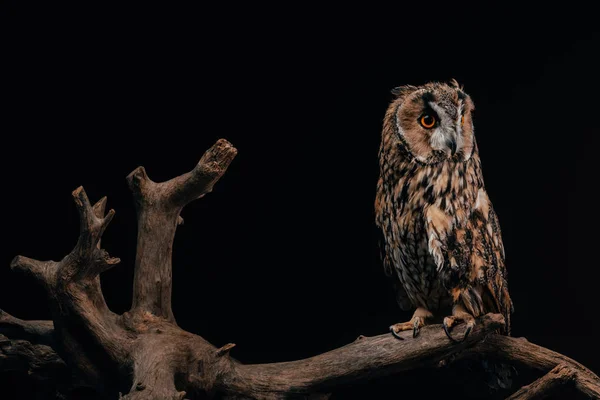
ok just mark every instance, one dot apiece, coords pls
pixel 282 257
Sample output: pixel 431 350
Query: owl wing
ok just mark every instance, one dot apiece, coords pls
pixel 390 271
pixel 487 266
pixel 387 245
pixel 469 255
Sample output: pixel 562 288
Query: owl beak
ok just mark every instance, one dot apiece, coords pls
pixel 451 143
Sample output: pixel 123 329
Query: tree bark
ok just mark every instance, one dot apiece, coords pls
pixel 520 352
pixel 143 354
pixel 39 361
pixel 34 331
pixel 546 385
pixel 158 206
pixel 365 358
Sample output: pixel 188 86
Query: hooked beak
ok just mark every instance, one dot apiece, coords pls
pixel 451 143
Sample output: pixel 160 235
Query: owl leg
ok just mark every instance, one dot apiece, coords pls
pixel 459 314
pixel 416 323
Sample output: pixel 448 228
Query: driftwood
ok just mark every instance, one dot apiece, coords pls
pixel 520 352
pixel 546 385
pixel 143 354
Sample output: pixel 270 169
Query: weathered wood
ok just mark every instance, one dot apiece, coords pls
pixel 37 360
pixel 88 335
pixel 363 359
pixel 158 206
pixel 520 352
pixel 546 385
pixel 39 332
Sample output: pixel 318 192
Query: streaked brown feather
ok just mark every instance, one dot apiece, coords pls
pixel 435 215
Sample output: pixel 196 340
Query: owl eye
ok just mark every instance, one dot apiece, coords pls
pixel 427 121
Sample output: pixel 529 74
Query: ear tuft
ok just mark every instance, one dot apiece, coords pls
pixel 454 83
pixel 403 90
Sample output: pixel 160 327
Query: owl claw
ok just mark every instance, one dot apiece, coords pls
pixel 395 333
pixel 416 322
pixel 450 321
pixel 469 329
pixel 417 327
pixel 448 332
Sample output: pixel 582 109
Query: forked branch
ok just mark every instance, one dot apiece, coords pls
pixel 79 311
pixel 86 261
pixel 158 206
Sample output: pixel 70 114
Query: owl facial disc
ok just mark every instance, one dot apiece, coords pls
pixel 434 123
pixel 447 137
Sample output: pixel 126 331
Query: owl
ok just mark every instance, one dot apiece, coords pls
pixel 441 241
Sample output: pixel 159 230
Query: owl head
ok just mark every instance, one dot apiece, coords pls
pixel 432 122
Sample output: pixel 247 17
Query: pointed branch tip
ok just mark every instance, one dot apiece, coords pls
pixel 24 263
pixel 100 207
pixel 137 175
pixel 80 196
pixel 109 217
pixel 16 262
pixel 105 262
pixel 225 349
pixel 219 156
pixel 40 270
pixel 86 212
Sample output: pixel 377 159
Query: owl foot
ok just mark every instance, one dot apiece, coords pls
pixel 416 323
pixel 458 315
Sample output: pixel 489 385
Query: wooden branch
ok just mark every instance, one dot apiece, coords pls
pixel 546 385
pixel 155 370
pixel 158 206
pixel 80 315
pixel 39 332
pixel 43 272
pixel 87 260
pixel 520 352
pixel 36 360
pixel 200 181
pixel 365 358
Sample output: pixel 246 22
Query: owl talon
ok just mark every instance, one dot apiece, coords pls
pixel 469 329
pixel 459 315
pixel 395 333
pixel 417 327
pixel 414 325
pixel 445 324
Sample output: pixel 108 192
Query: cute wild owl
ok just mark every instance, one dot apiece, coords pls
pixel 441 241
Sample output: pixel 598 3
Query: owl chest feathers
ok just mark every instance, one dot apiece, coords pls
pixel 418 207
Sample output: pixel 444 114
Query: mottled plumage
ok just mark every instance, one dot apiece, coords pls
pixel 441 244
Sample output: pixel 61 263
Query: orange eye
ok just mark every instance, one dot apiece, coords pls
pixel 427 121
